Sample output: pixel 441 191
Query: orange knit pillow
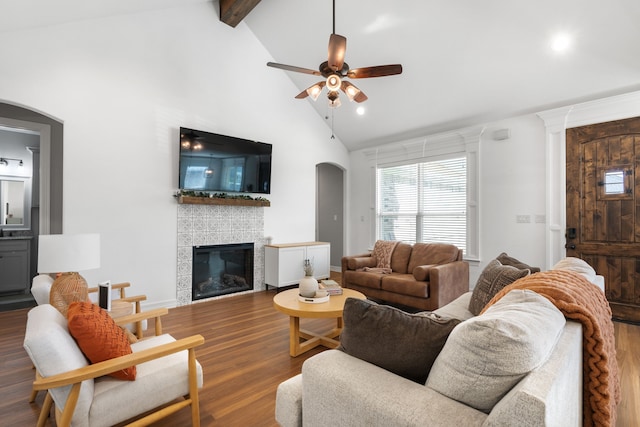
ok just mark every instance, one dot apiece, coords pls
pixel 98 336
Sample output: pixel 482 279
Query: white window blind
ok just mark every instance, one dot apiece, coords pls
pixel 423 202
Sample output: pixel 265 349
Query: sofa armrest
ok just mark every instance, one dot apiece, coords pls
pixel 448 281
pixel 338 389
pixel 353 262
pixel 289 402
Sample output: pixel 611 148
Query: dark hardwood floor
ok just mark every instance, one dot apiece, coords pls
pixel 245 357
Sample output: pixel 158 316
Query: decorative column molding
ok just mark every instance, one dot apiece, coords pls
pixel 556 122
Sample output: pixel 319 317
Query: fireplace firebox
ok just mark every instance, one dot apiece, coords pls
pixel 222 269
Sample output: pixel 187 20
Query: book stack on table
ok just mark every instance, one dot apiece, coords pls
pixel 331 286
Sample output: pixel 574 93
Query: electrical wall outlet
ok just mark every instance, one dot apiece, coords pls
pixel 523 219
pixel 541 219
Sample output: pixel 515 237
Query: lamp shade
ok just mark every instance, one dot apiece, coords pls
pixel 62 253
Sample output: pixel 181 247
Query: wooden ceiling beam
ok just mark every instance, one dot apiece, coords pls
pixel 232 12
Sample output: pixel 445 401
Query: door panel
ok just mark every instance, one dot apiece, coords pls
pixel 603 179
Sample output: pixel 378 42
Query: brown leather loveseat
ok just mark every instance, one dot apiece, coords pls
pixel 424 275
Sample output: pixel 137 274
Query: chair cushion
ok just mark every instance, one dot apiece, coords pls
pixel 158 381
pixel 487 355
pixel 405 344
pixel 98 336
pixel 493 278
pixel 53 351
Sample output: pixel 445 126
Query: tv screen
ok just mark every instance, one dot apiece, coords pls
pixel 220 163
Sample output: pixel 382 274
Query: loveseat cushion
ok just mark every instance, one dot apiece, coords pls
pixel 98 336
pixel 400 258
pixel 405 344
pixel 493 278
pixel 487 355
pixel 404 284
pixel 576 265
pixel 367 279
pixel 355 263
pixel 431 253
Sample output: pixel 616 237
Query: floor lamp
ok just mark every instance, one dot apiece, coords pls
pixel 65 255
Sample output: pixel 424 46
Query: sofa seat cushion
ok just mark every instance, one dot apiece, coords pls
pixel 431 253
pixel 487 355
pixel 405 284
pixel 366 279
pixel 156 389
pixel 402 343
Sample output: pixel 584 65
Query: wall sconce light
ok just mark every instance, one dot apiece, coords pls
pixel 5 161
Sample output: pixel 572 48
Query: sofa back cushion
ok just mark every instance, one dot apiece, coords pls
pixel 403 343
pixel 432 254
pixel 400 258
pixel 53 351
pixel 487 355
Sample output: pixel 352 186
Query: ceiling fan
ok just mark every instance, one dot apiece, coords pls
pixel 334 70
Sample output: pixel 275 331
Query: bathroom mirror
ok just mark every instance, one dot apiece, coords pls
pixel 15 206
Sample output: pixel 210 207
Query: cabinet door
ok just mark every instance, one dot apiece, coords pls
pixel 320 256
pixel 14 272
pixel 290 265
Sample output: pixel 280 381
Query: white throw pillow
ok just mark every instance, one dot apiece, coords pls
pixel 576 265
pixel 485 356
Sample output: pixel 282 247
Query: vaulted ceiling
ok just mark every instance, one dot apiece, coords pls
pixel 465 62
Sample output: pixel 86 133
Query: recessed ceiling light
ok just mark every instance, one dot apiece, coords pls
pixel 360 110
pixel 561 42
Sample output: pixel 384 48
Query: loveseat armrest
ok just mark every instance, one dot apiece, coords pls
pixel 448 281
pixel 289 402
pixel 338 389
pixel 353 262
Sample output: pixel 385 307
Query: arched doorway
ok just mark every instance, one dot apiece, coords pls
pixel 330 210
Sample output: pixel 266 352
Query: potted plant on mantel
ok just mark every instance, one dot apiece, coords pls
pixel 205 198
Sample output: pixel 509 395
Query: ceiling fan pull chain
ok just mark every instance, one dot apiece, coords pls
pixel 333 136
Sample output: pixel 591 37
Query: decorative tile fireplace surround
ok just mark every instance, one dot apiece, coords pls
pixel 200 225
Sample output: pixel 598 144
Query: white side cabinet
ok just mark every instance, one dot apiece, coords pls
pixel 284 262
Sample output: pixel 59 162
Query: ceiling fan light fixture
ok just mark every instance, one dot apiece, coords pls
pixel 314 91
pixel 334 99
pixel 334 82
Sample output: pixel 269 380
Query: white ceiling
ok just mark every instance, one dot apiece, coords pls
pixel 465 61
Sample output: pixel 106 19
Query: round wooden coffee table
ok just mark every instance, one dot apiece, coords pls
pixel 288 303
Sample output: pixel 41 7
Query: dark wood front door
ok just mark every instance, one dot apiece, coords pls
pixel 603 216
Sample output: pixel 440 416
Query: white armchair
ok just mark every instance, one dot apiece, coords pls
pixel 83 396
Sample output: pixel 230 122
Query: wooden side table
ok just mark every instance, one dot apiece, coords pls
pixel 287 302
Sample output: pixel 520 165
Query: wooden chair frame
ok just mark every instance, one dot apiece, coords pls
pixel 75 378
pixel 121 287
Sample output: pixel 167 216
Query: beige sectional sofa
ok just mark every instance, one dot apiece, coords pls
pixel 424 276
pixel 336 388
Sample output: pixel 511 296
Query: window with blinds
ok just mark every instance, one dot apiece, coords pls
pixel 423 202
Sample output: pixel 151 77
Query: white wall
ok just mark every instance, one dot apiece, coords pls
pixel 512 183
pixel 123 86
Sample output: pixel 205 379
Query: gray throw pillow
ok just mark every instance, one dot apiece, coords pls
pixel 403 343
pixel 493 278
pixel 487 355
pixel 513 262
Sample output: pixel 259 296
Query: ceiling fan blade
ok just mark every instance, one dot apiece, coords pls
pixel 293 68
pixel 352 92
pixel 313 91
pixel 378 71
pixel 337 49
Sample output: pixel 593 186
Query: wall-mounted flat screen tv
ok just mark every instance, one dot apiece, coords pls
pixel 220 163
